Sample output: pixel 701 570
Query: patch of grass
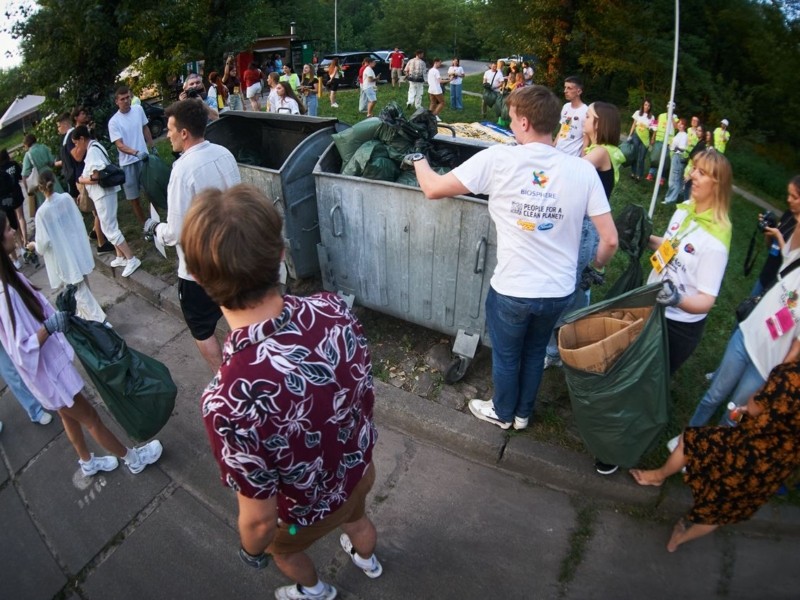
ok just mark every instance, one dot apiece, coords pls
pixel 578 540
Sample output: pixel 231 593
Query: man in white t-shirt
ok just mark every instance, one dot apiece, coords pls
pixel 537 199
pixel 129 131
pixel 369 85
pixel 435 88
pixel 573 114
pixel 494 79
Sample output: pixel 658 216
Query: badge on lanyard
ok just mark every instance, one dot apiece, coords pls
pixel 780 323
pixel 665 253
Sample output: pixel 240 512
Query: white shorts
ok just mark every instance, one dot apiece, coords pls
pixel 254 90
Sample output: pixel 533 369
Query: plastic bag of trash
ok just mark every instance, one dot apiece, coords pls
pixel 363 155
pixel 350 140
pixel 137 389
pixel 154 178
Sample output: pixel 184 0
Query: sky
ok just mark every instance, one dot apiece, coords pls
pixel 7 44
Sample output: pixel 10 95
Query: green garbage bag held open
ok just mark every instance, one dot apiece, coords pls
pixel 137 389
pixel 154 179
pixel 621 412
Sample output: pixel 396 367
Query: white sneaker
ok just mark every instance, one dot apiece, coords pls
pixel 98 463
pixel 438 120
pixel 373 571
pixel 133 264
pixel 45 418
pixel 119 261
pixel 552 361
pixel 334 105
pixel 298 592
pixel 484 410
pixel 673 443
pixel 145 455
pixel 520 423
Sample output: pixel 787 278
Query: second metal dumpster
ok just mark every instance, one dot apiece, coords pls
pixel 277 153
pixel 427 262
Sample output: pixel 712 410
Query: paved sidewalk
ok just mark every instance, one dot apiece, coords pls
pixel 463 510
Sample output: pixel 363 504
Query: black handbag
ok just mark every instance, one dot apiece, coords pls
pixel 746 306
pixel 111 175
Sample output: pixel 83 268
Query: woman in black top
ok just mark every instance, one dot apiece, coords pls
pixel 11 189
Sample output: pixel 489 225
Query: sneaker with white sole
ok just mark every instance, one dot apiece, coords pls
pixel 298 592
pixel 605 468
pixel 520 423
pixel 98 463
pixel 44 419
pixel 119 261
pixel 145 455
pixel 334 105
pixel 673 443
pixel 552 361
pixel 484 410
pixel 374 570
pixel 133 264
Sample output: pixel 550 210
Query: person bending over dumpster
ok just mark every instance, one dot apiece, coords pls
pixel 289 413
pixel 201 165
pixel 537 199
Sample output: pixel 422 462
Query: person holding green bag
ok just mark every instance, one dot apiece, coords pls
pixel 641 127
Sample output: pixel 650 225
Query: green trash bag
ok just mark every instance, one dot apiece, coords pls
pixel 361 158
pixel 381 168
pixel 490 97
pixel 621 412
pixel 655 155
pixel 137 389
pixel 407 178
pixel 154 179
pixel 350 140
pixel 633 228
pixel 628 151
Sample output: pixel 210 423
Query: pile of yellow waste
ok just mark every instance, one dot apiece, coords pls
pixel 486 133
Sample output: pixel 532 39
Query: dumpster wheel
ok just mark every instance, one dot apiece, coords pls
pixel 456 370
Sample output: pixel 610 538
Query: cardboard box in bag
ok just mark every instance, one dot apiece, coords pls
pixel 595 343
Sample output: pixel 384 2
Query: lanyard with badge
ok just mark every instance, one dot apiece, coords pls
pixel 783 320
pixel 669 247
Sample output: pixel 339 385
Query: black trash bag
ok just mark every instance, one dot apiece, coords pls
pixel 154 178
pixel 633 229
pixel 137 389
pixel 490 97
pixel 620 413
pixel 392 115
pixel 424 123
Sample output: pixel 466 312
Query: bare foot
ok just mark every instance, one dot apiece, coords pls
pixel 646 477
pixel 675 539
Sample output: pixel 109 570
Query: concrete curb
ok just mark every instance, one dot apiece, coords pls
pixel 460 433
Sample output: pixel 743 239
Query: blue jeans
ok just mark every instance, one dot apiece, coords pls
pixel 736 377
pixel 519 329
pixel 21 392
pixel 455 97
pixel 579 298
pixel 675 179
pixel 311 104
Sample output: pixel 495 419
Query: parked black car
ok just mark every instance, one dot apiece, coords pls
pixel 350 63
pixel 156 121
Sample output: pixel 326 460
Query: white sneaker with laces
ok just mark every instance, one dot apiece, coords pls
pixel 520 423
pixel 119 261
pixel 145 455
pixel 374 570
pixel 133 264
pixel 298 592
pixel 484 410
pixel 98 463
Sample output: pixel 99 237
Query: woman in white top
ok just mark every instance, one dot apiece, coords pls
pixel 693 254
pixel 287 101
pixel 61 238
pixel 435 89
pixel 105 199
pixel 527 73
pixel 676 148
pixel 456 75
pixel 640 136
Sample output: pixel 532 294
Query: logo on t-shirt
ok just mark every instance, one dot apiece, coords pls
pixel 689 249
pixel 539 178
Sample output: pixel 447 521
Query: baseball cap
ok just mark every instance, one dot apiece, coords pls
pixel 725 122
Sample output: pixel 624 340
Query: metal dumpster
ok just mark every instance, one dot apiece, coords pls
pixel 277 153
pixel 393 250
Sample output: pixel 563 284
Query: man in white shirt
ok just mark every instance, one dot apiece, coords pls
pixel 129 131
pixel 435 88
pixel 369 84
pixel 201 165
pixel 573 114
pixel 492 80
pixel 537 199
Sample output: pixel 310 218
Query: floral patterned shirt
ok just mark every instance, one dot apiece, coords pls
pixel 289 413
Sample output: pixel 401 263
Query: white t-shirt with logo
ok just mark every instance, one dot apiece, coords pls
pixel 538 197
pixel 698 265
pixel 570 135
pixel 764 351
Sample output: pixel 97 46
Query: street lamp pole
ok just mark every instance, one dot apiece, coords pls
pixel 336 25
